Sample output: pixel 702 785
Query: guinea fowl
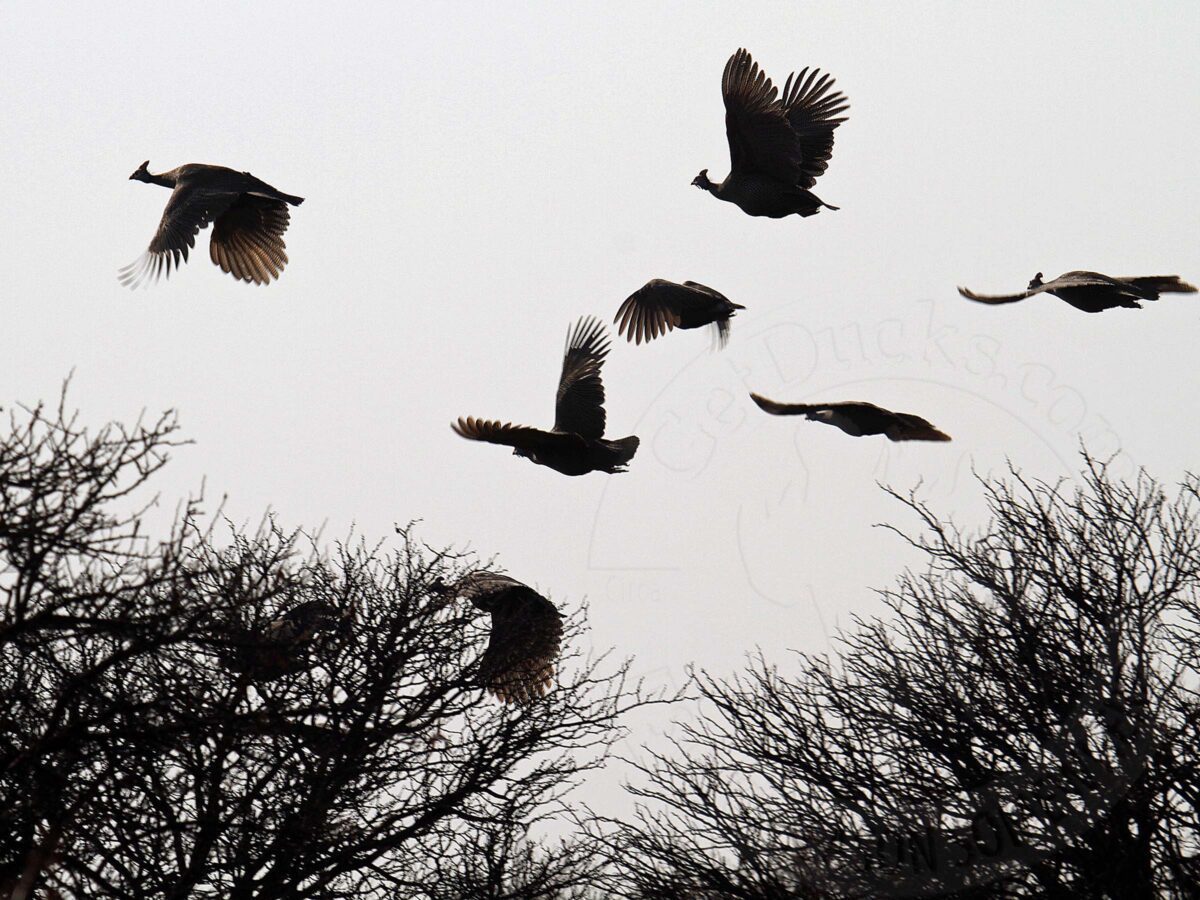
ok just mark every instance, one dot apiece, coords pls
pixel 1093 292
pixel 661 306
pixel 283 646
pixel 576 444
pixel 778 145
pixel 858 419
pixel 248 217
pixel 526 635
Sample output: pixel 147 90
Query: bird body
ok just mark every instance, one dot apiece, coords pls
pixel 858 419
pixel 576 445
pixel 778 144
pixel 660 306
pixel 525 638
pixel 248 217
pixel 282 647
pixel 1093 292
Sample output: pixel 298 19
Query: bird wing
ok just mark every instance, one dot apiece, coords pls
pixel 189 209
pixel 996 299
pixel 652 310
pixel 785 409
pixel 761 138
pixel 475 585
pixel 813 111
pixel 247 239
pixel 526 635
pixel 579 407
pixel 507 434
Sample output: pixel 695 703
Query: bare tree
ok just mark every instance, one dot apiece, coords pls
pixel 1024 723
pixel 147 753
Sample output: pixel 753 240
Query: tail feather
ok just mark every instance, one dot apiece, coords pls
pixel 1162 284
pixel 917 433
pixel 623 451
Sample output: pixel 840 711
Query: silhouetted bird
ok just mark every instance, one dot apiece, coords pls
pixel 248 217
pixel 284 645
pixel 576 445
pixel 777 147
pixel 858 419
pixel 660 306
pixel 518 665
pixel 1093 292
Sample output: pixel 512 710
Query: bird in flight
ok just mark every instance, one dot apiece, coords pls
pixel 248 219
pixel 660 306
pixel 283 646
pixel 525 639
pixel 1093 292
pixel 576 445
pixel 778 145
pixel 858 419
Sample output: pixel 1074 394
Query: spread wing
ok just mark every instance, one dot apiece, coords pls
pixel 518 665
pixel 1067 280
pixel 507 434
pixel 579 408
pixel 814 111
pixel 247 239
pixel 761 139
pixel 785 409
pixel 188 210
pixel 652 310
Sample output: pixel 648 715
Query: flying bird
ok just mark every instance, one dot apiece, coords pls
pixel 1093 292
pixel 576 444
pixel 778 145
pixel 526 635
pixel 858 419
pixel 284 644
pixel 660 306
pixel 248 219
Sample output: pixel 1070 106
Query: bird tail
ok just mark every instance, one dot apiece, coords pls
pixel 622 452
pixel 925 432
pixel 1162 284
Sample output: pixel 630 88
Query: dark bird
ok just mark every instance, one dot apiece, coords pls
pixel 661 306
pixel 576 445
pixel 859 419
pixel 778 145
pixel 1093 292
pixel 518 664
pixel 248 217
pixel 283 647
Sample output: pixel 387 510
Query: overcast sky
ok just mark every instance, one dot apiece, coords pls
pixel 478 176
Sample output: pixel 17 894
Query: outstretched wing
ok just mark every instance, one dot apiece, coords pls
pixel 996 299
pixel 518 665
pixel 579 408
pixel 506 434
pixel 785 409
pixel 188 210
pixel 247 239
pixel 650 311
pixel 761 139
pixel 813 110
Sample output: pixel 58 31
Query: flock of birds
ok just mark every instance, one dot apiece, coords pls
pixel 779 144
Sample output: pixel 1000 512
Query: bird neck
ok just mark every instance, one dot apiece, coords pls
pixel 165 179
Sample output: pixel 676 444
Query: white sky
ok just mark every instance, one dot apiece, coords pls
pixel 480 175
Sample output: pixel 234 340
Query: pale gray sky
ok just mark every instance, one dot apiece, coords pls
pixel 480 175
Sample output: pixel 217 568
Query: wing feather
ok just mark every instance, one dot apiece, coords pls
pixel 579 406
pixel 524 644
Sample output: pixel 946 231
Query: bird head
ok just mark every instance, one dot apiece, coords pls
pixel 142 173
pixel 1036 281
pixel 701 181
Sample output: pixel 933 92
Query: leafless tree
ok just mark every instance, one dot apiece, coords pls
pixel 142 756
pixel 1023 723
